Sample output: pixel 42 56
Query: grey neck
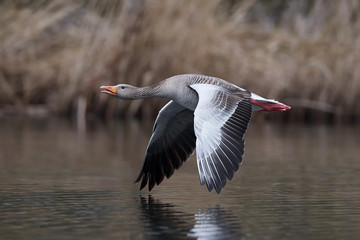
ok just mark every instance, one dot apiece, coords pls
pixel 150 91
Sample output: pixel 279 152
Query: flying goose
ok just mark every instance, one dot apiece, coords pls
pixel 206 113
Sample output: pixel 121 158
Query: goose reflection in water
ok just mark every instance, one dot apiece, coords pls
pixel 165 221
pixel 215 223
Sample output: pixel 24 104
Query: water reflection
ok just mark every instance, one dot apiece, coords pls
pixel 216 223
pixel 162 220
pixel 165 221
pixel 297 182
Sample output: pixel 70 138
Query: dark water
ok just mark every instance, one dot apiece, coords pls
pixel 57 182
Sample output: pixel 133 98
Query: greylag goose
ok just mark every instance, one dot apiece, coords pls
pixel 206 113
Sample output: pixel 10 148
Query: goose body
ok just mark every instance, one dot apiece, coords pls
pixel 205 113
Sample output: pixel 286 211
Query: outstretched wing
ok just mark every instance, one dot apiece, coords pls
pixel 172 142
pixel 221 119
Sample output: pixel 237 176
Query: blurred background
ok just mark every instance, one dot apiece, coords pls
pixel 69 154
pixel 54 55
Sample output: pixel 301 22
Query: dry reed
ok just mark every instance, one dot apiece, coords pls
pixel 56 54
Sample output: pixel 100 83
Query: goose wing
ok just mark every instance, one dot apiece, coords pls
pixel 221 119
pixel 172 142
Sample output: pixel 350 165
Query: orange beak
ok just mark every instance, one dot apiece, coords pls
pixel 110 90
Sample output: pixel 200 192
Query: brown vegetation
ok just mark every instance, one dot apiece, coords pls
pixel 56 54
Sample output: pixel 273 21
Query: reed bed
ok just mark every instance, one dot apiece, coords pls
pixel 56 54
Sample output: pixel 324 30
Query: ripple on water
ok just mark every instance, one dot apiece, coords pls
pixel 295 183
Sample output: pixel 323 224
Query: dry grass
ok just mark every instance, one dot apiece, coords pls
pixel 56 54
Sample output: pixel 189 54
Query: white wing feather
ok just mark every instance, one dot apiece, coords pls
pixel 220 121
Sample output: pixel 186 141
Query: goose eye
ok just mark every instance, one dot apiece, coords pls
pixel 122 87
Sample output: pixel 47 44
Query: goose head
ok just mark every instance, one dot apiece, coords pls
pixel 123 91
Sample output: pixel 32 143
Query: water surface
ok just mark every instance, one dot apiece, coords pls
pixel 56 182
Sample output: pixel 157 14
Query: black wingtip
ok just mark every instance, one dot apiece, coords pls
pixel 151 183
pixel 142 185
pixel 217 190
pixel 136 180
pixel 139 177
pixel 144 181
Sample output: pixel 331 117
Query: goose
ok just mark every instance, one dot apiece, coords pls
pixel 206 113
